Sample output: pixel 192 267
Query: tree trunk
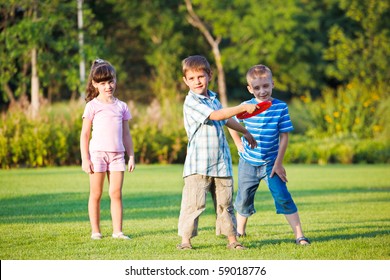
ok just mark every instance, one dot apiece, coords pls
pixel 81 48
pixel 34 72
pixel 34 84
pixel 10 94
pixel 221 75
pixel 195 21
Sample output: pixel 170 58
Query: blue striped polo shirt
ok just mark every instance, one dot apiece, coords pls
pixel 208 151
pixel 265 128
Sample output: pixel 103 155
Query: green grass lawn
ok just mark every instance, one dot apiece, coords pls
pixel 345 211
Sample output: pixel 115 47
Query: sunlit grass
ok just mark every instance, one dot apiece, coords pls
pixel 345 211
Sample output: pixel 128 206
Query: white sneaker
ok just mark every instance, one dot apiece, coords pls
pixel 96 236
pixel 120 235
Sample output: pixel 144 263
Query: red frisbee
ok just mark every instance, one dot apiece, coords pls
pixel 261 107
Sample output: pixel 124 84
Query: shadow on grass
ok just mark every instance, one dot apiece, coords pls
pixel 315 240
pixel 338 190
pixel 73 207
pixel 331 234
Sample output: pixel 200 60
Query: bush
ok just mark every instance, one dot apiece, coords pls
pixel 354 110
pixel 305 150
pixel 50 139
pixel 158 134
pixel 369 151
pixel 333 150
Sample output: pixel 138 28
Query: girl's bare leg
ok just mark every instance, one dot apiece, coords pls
pixel 96 182
pixel 115 191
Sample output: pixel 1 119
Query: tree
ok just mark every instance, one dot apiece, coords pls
pixel 359 47
pixel 285 35
pixel 156 48
pixel 39 39
pixel 214 42
pixel 34 70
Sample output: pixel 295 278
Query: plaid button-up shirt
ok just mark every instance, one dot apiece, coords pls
pixel 208 151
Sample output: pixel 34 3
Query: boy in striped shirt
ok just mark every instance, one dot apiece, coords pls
pixel 265 162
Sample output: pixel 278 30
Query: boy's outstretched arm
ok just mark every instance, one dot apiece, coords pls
pixel 227 113
pixel 233 128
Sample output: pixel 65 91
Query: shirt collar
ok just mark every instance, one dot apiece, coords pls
pixel 211 94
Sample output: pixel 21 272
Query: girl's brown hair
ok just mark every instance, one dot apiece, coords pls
pixel 101 71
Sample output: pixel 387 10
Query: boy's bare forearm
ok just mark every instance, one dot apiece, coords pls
pixel 232 124
pixel 227 113
pixel 283 143
pixel 235 136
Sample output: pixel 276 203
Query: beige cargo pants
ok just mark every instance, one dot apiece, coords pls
pixel 193 204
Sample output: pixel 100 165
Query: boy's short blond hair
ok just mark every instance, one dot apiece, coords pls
pixel 258 71
pixel 196 63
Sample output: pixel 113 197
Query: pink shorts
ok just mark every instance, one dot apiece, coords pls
pixel 108 161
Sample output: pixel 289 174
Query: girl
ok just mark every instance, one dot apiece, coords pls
pixel 105 152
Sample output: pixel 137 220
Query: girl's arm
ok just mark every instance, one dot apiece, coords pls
pixel 86 163
pixel 278 166
pixel 128 143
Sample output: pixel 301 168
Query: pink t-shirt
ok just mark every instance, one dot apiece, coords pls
pixel 107 130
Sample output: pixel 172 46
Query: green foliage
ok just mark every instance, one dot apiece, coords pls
pixel 347 125
pixel 308 44
pixel 51 28
pixel 159 137
pixel 336 150
pixel 272 33
pixel 352 111
pixel 369 151
pixel 312 47
pixel 360 48
pixel 52 139
pixel 162 47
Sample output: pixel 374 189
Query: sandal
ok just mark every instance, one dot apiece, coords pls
pixel 235 246
pixel 96 236
pixel 120 235
pixel 184 246
pixel 302 238
pixel 240 235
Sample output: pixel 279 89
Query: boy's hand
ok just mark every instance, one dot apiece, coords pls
pixel 251 141
pixel 250 108
pixel 280 171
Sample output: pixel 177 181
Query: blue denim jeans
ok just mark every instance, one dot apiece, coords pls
pixel 249 178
